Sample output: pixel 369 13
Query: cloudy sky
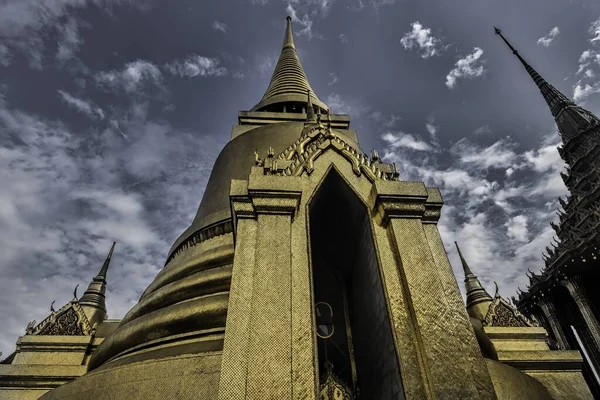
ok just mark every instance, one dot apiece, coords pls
pixel 113 111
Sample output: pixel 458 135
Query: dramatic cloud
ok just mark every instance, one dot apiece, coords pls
pixel 131 77
pixel 405 140
pixel 196 66
pixel 421 39
pixel 516 228
pixel 22 24
pixel 220 26
pixel 498 155
pixel 470 66
pixel 589 67
pixel 82 106
pixel 549 38
pixel 306 22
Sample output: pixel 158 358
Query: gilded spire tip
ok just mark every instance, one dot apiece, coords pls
pixel 465 266
pixel 106 264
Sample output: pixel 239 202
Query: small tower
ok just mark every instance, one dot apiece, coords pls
pixel 478 299
pixel 93 300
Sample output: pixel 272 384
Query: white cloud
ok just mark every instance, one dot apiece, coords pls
pixel 386 121
pixel 132 77
pixel 333 79
pixel 24 24
pixel 343 38
pixel 220 26
pixel 470 66
pixel 82 106
pixel 69 40
pixel 421 39
pixel 582 91
pixel 66 196
pixel 306 22
pixel 516 228
pixel 5 55
pixel 549 38
pixel 595 31
pixel 498 155
pixel 589 67
pixel 196 65
pixel 351 106
pixel 405 140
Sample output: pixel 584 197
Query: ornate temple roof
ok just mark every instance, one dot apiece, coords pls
pixel 579 217
pixel 289 82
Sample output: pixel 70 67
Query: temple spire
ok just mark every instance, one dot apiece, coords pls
pixel 569 117
pixel 288 86
pixel 288 40
pixel 93 300
pixel 478 299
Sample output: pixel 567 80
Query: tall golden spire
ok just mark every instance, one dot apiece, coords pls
pixel 478 300
pixel 569 117
pixel 93 300
pixel 288 83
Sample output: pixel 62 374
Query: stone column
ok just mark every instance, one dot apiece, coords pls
pixel 446 349
pixel 257 356
pixel 578 293
pixel 549 311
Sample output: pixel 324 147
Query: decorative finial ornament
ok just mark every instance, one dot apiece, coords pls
pixel 52 306
pixel 75 292
pixel 256 157
pixel 375 157
pixel 569 117
pixel 319 117
pixel 478 299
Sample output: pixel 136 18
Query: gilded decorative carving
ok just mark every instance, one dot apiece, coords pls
pixel 300 156
pixel 69 320
pixel 332 388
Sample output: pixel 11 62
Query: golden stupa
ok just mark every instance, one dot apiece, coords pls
pixel 311 270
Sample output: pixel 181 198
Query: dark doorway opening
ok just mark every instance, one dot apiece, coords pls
pixel 346 276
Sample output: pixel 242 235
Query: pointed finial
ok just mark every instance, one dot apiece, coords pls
pixel 465 266
pixel 104 268
pixel 497 293
pixel 328 123
pixel 375 157
pixel 288 40
pixel 52 306
pixel 319 116
pixel 256 157
pixel 577 118
pixel 75 292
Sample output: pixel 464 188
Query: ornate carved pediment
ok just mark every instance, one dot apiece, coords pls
pixel 332 388
pixel 315 141
pixel 503 314
pixel 69 320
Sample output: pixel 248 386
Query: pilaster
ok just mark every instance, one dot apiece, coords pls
pixel 549 311
pixel 409 211
pixel 257 356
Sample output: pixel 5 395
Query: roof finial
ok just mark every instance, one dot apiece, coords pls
pixel 93 300
pixel 104 268
pixel 478 299
pixel 288 83
pixel 465 266
pixel 288 39
pixel 575 119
